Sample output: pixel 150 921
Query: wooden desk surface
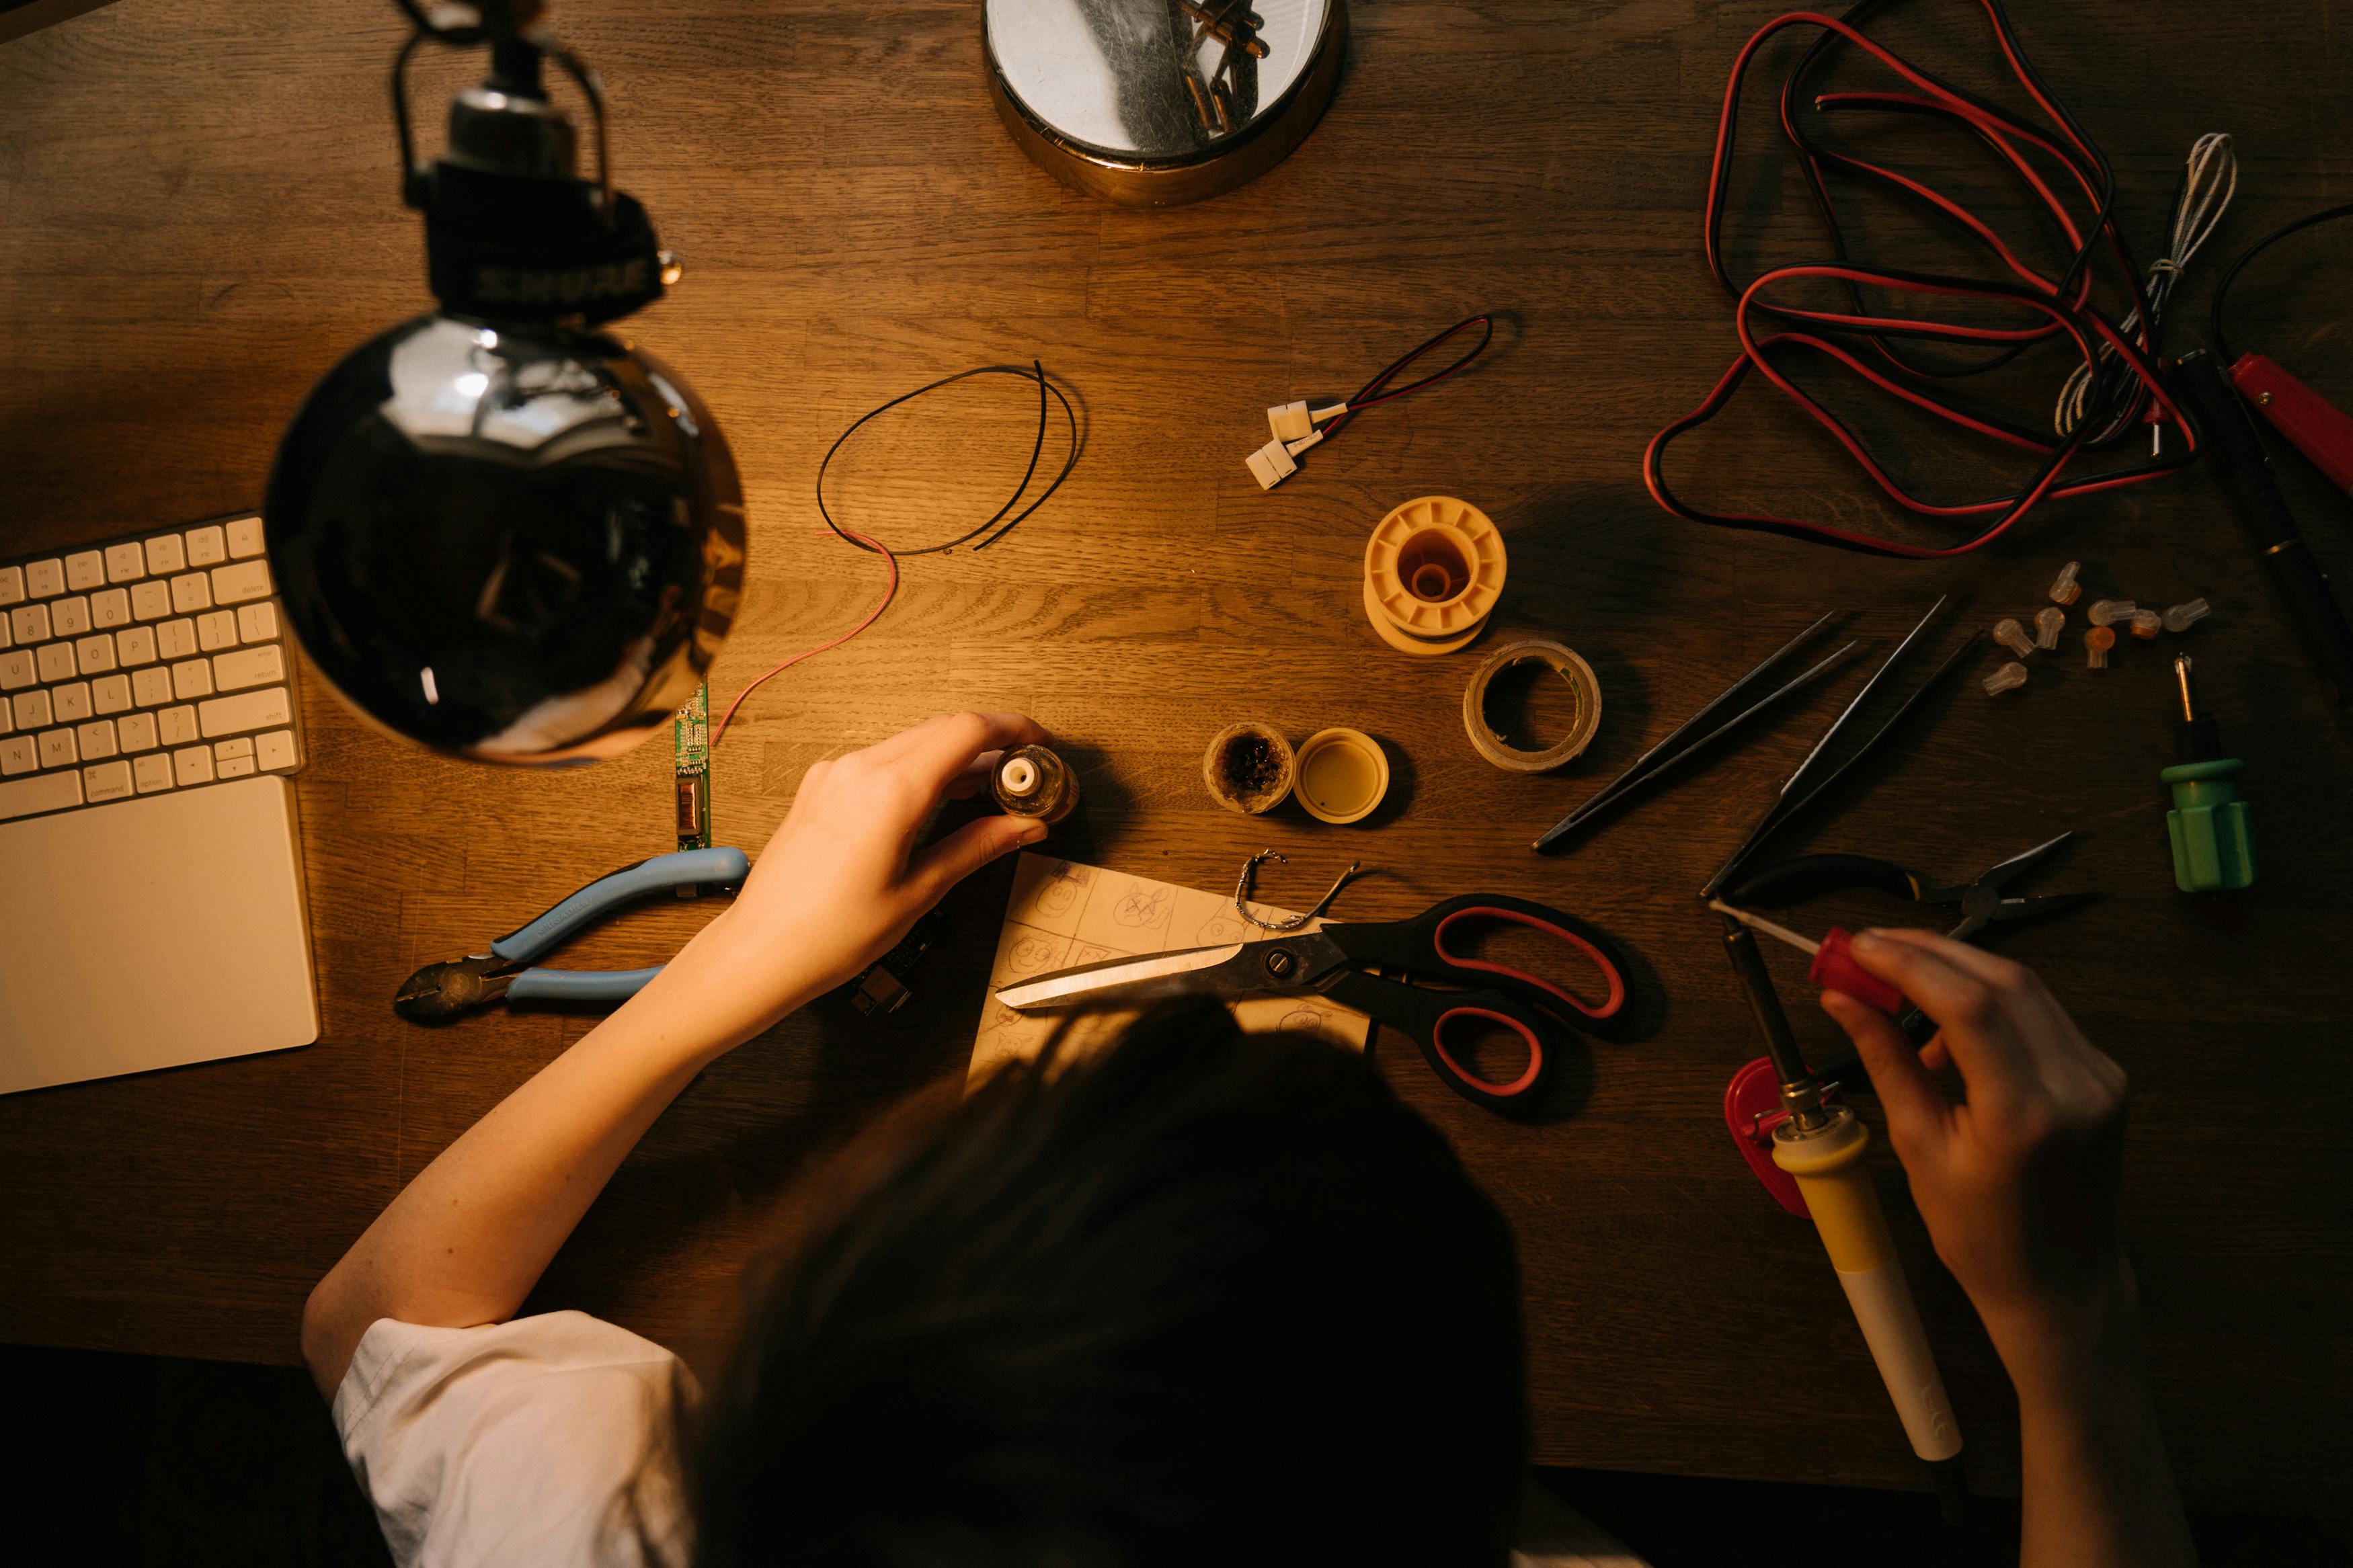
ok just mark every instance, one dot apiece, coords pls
pixel 201 218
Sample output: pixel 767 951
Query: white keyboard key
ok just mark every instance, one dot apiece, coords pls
pixel 257 622
pixel 191 593
pixel 58 749
pixel 97 739
pixel 135 645
pixel 249 667
pixel 111 693
pixel 50 792
pixel 193 766
pixel 206 545
pixel 233 759
pixel 71 701
pixel 274 749
pixel 244 537
pixel 86 569
pixel 151 687
pixel 135 732
pixel 18 754
pixel 55 660
pixel 164 556
pixel 216 629
pixel 8 637
pixel 177 726
pixel 69 618
pixel 12 586
pixel 111 608
pixel 152 772
pixel 245 580
pixel 151 600
pixel 33 710
pixel 176 639
pixel 230 750
pixel 45 579
pixel 17 669
pixel 192 679
pixel 107 781
pixel 125 563
pixel 95 655
pixel 263 710
pixel 30 622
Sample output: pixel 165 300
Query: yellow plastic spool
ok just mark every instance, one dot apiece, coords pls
pixel 1433 571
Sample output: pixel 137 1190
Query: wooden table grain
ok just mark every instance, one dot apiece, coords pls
pixel 200 217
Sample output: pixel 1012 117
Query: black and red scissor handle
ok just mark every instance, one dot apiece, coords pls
pixel 1434 945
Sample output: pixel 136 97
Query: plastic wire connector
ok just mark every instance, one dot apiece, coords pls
pixel 2145 624
pixel 1290 421
pixel 2049 622
pixel 2009 678
pixel 2064 589
pixel 2182 616
pixel 2099 639
pixel 2108 612
pixel 1270 465
pixel 2012 635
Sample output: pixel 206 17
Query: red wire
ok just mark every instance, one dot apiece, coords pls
pixel 889 592
pixel 2069 312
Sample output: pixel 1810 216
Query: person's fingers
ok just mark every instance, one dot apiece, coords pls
pixel 1935 1056
pixel 1917 1113
pixel 1967 1007
pixel 975 778
pixel 1964 956
pixel 967 849
pixel 938 748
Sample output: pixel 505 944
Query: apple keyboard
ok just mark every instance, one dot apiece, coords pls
pixel 155 914
pixel 142 665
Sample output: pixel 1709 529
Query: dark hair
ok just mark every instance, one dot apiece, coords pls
pixel 1195 1297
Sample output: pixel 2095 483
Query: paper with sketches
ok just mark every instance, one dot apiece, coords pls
pixel 1062 913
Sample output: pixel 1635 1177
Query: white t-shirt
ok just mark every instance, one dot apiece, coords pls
pixel 514 1442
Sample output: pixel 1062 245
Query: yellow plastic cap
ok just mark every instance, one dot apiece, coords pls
pixel 1342 774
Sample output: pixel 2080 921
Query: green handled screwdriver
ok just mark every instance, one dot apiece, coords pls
pixel 2213 847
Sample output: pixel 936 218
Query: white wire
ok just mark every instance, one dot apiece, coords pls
pixel 2212 180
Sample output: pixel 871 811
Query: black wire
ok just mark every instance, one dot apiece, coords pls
pixel 1037 372
pixel 1380 382
pixel 2222 350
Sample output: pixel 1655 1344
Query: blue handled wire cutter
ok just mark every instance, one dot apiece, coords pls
pixel 439 992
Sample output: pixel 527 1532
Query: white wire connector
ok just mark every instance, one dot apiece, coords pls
pixel 2208 184
pixel 1277 460
pixel 2047 623
pixel 1294 421
pixel 2012 635
pixel 2181 617
pixel 2009 678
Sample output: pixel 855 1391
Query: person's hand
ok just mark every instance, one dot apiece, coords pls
pixel 842 879
pixel 2019 1184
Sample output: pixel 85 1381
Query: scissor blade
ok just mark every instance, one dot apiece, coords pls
pixel 1188 972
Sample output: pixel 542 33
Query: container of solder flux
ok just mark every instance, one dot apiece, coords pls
pixel 1433 571
pixel 1033 781
pixel 1342 774
pixel 1249 767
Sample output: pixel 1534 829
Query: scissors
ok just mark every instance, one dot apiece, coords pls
pixel 1333 962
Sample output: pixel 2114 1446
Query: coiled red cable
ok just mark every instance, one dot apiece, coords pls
pixel 2039 304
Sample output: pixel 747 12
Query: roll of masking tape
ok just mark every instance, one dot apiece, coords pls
pixel 1433 570
pixel 1584 691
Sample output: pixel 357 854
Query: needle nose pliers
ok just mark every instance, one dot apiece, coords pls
pixel 1982 902
pixel 439 992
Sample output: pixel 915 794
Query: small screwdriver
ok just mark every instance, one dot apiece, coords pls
pixel 2212 846
pixel 1834 968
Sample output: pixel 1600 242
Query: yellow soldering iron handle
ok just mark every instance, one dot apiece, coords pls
pixel 1828 1165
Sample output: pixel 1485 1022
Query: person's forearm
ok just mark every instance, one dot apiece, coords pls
pixel 2097 1489
pixel 464 1242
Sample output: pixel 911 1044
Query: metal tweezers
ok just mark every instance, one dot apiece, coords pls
pixel 1691 737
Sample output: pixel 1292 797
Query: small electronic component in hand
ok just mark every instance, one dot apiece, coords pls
pixel 889 981
pixel 691 764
